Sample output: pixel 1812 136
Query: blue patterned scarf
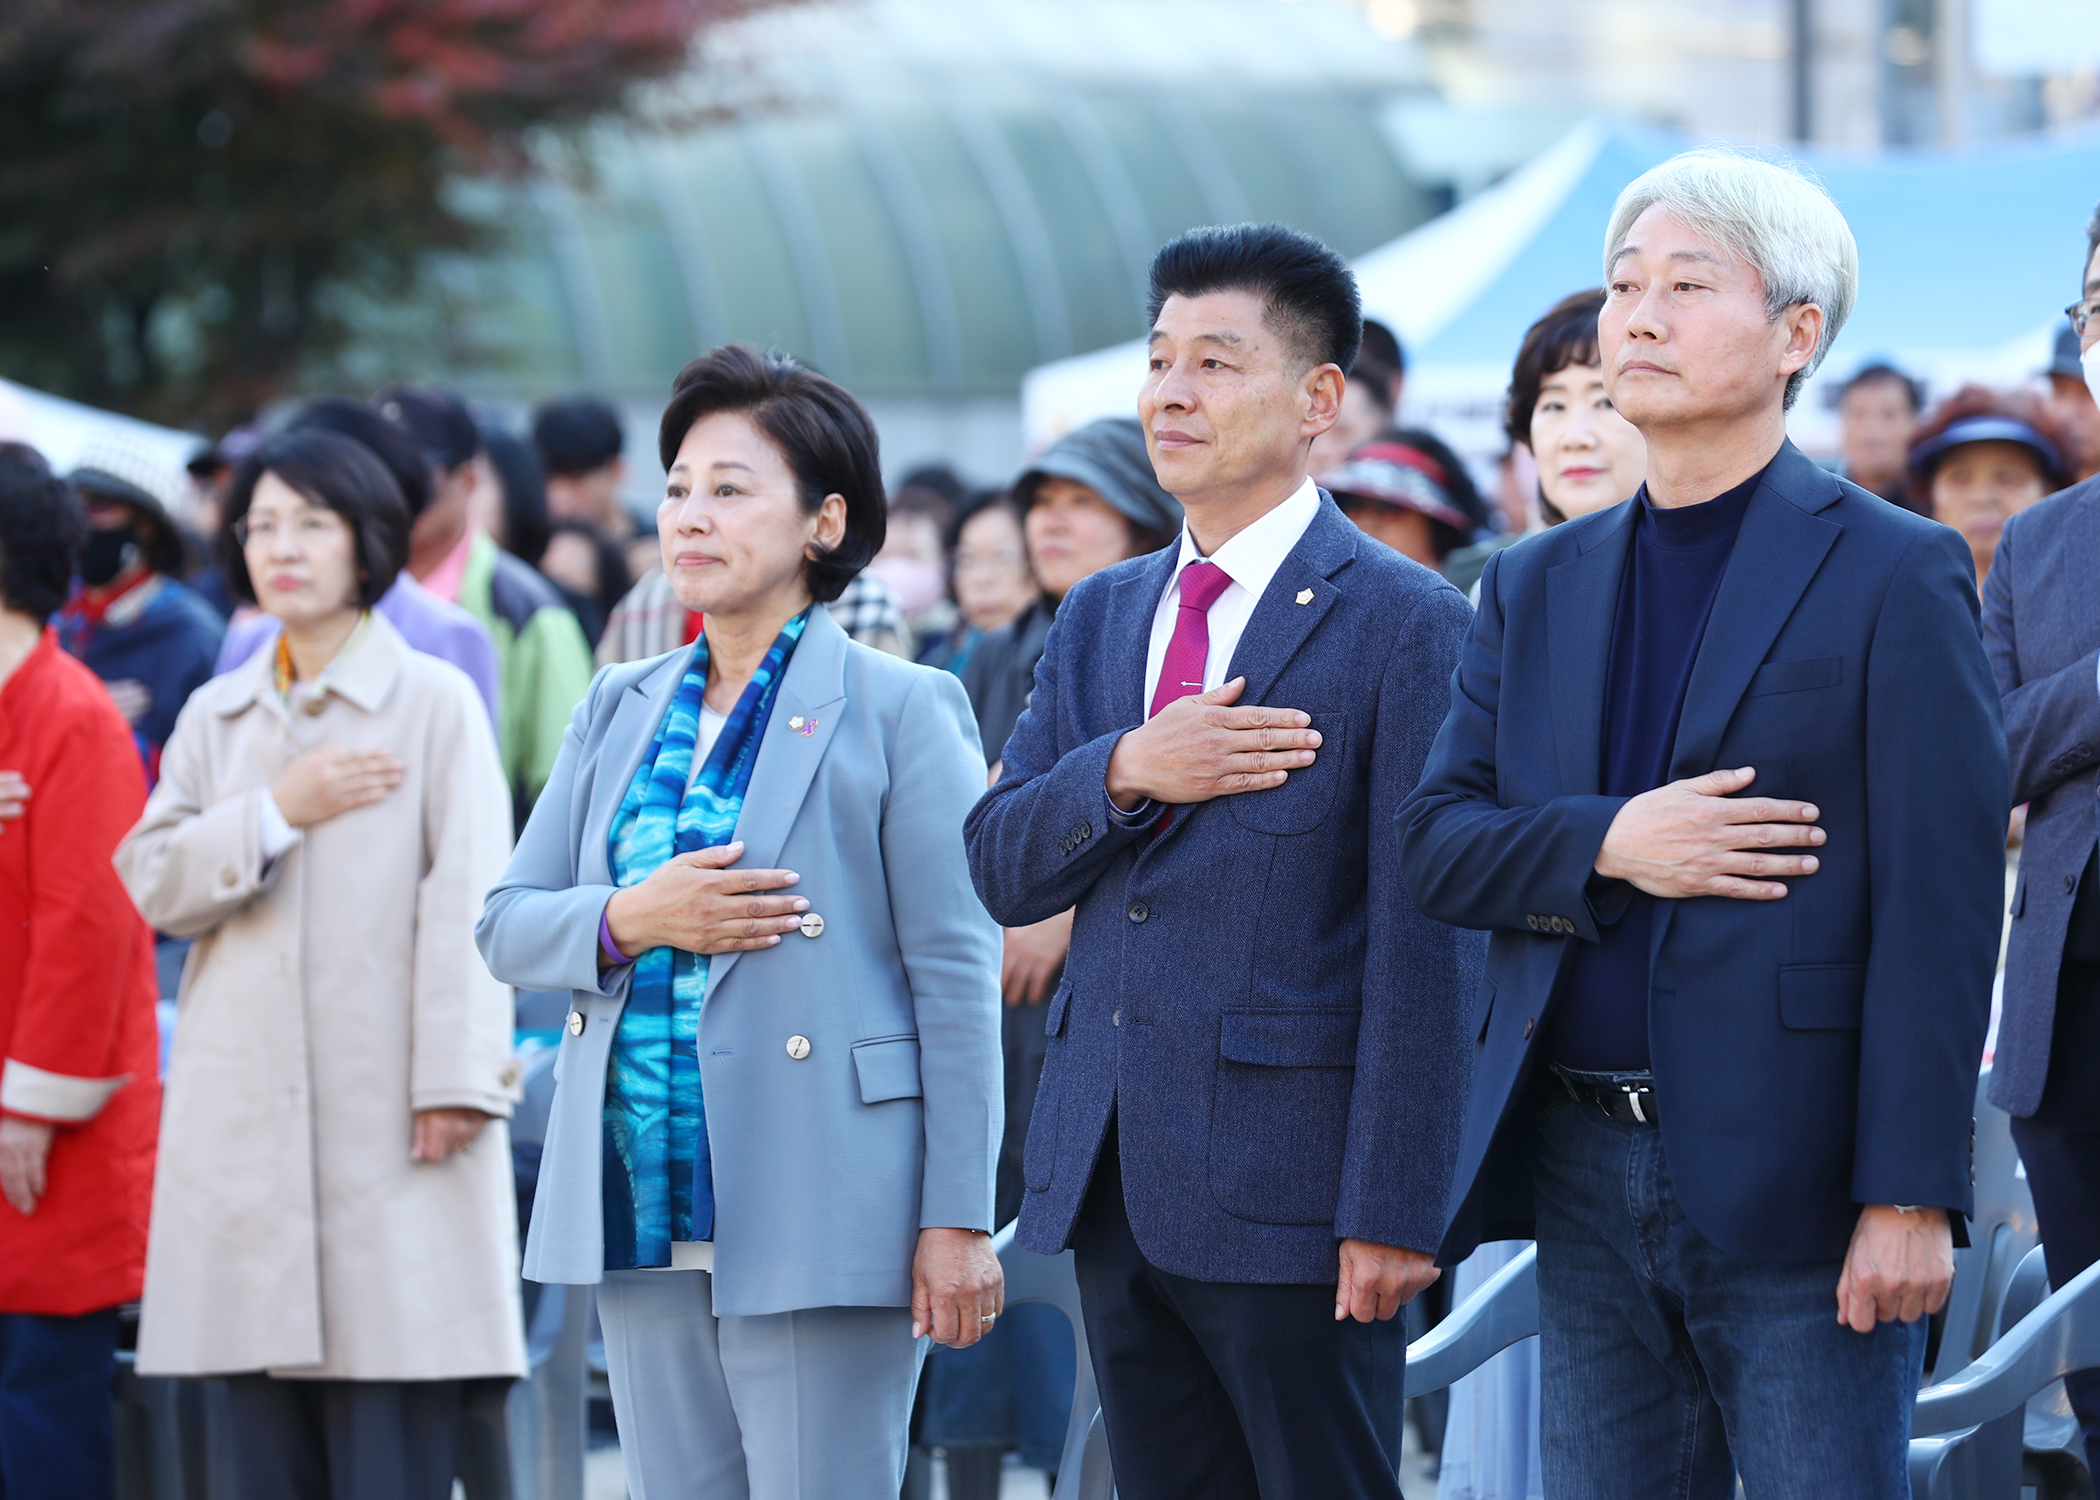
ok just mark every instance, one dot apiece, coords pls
pixel 659 1183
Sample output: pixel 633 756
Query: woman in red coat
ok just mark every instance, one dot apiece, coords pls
pixel 79 1087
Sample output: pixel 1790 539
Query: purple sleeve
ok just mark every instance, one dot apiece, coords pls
pixel 447 632
pixel 243 639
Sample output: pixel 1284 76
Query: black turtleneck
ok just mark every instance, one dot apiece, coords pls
pixel 1673 571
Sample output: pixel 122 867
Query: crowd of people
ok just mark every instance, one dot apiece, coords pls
pixel 1372 858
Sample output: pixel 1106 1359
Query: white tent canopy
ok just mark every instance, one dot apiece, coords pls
pixel 69 434
pixel 1964 261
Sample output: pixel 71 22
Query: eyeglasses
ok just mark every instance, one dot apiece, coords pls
pixel 2082 313
pixel 310 525
pixel 1006 559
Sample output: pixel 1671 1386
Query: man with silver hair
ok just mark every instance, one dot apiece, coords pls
pixel 1724 775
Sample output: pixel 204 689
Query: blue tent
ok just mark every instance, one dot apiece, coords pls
pixel 1966 252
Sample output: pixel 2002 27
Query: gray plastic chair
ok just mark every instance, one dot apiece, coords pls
pixel 1084 1472
pixel 1969 1430
pixel 2001 1234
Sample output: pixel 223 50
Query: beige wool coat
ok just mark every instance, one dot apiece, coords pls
pixel 329 996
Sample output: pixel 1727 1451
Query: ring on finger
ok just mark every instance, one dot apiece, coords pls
pixel 987 1317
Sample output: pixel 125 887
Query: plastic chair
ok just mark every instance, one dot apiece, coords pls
pixel 1503 1311
pixel 2001 1234
pixel 1084 1472
pixel 1969 1430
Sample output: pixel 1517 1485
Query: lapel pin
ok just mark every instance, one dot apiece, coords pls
pixel 795 723
pixel 1305 596
pixel 802 726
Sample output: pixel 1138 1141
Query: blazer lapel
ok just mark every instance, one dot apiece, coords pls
pixel 813 691
pixel 2081 557
pixel 1582 604
pixel 1129 634
pixel 1782 544
pixel 627 739
pixel 1280 625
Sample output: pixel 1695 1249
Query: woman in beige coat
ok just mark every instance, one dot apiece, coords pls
pixel 333 1222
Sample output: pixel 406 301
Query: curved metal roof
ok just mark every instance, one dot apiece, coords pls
pixel 893 196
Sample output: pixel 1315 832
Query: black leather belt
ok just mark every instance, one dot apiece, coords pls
pixel 1628 1098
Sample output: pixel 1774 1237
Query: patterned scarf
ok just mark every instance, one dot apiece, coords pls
pixel 659 1182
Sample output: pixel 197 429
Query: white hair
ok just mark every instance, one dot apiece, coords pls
pixel 1770 215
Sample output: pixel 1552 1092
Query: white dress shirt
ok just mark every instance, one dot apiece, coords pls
pixel 1250 558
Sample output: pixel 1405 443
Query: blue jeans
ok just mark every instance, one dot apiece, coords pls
pixel 1667 1364
pixel 56 1417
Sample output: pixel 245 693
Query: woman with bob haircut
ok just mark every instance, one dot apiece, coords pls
pixel 333 1222
pixel 774 1138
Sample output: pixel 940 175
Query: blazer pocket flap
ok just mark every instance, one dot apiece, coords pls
pixel 1797 676
pixel 888 1068
pixel 1054 1022
pixel 1822 997
pixel 1290 1038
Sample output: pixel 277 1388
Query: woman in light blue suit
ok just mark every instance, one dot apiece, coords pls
pixel 777 1120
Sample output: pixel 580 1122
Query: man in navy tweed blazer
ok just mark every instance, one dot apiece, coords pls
pixel 1247 1117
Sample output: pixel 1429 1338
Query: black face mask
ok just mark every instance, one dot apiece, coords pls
pixel 103 557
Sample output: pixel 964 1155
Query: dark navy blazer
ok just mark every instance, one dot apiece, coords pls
pixel 1811 1054
pixel 1274 1024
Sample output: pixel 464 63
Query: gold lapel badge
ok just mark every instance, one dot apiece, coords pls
pixel 1305 596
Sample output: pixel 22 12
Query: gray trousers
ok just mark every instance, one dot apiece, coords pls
pixel 807 1405
pixel 337 1439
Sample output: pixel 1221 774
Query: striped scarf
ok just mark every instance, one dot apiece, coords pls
pixel 659 1181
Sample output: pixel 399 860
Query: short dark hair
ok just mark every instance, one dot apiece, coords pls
pixel 1380 360
pixel 1309 291
pixel 825 436
pixel 361 423
pixel 1566 335
pixel 340 473
pixel 437 420
pixel 526 522
pixel 1882 370
pixel 577 434
pixel 42 527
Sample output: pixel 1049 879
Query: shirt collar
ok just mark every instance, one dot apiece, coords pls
pixel 1251 556
pixel 445 579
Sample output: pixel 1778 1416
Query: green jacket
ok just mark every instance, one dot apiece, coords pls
pixel 542 661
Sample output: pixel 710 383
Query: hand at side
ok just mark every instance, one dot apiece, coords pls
pixel 956 1284
pixel 1694 838
pixel 1032 957
pixel 1900 1266
pixel 1378 1280
pixel 440 1132
pixel 25 1147
pixel 1201 747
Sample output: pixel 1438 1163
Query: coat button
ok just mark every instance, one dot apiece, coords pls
pixel 1530 1025
pixel 509 1075
pixel 798 1047
pixel 228 878
pixel 1532 922
pixel 1086 830
pixel 812 925
pixel 315 705
pixel 2070 884
pixel 575 1023
pixel 1139 911
pixel 1115 1017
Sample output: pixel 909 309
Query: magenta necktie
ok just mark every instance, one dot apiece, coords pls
pixel 1188 652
